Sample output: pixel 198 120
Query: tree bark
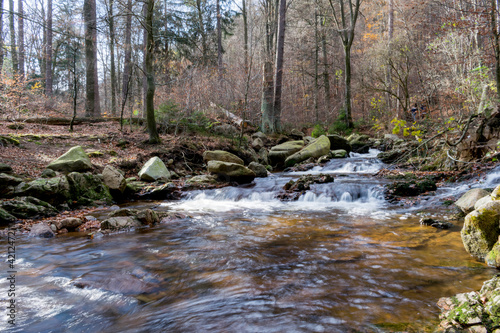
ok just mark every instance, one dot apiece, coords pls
pixel 267 101
pixel 92 105
pixel 1 36
pixel 150 93
pixel 496 44
pixel 48 51
pixel 280 52
pixel 13 48
pixel 112 57
pixel 219 41
pixel 127 67
pixel 20 27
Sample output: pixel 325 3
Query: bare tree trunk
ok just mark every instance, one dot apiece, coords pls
pixel 267 101
pixel 167 50
pixel 20 27
pixel 144 52
pixel 316 63
pixel 1 36
pixel 204 44
pixel 279 65
pixel 326 75
pixel 496 45
pixel 150 111
pixel 245 34
pixel 48 51
pixel 43 70
pixel 13 48
pixel 127 67
pixel 388 79
pixel 112 56
pixel 219 41
pixel 92 105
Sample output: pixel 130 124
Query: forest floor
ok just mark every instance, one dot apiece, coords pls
pixel 39 144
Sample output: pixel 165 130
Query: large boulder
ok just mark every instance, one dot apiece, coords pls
pixel 259 169
pixel 41 230
pixel 231 172
pixel 113 179
pixel 7 184
pixel 338 142
pixel 120 222
pixel 74 160
pixel 154 170
pixel 55 191
pixel 316 149
pixel 481 230
pixel 360 143
pixel 88 189
pixel 468 200
pixel 279 153
pixel 28 208
pixel 6 217
pixel 223 156
pixel 391 155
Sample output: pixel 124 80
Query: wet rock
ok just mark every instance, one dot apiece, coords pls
pixel 6 217
pixel 53 190
pixel 473 311
pixel 28 208
pixel 120 222
pixel 113 179
pixel 436 224
pixel 230 172
pixel 148 217
pixel 154 170
pixel 74 160
pixel 339 153
pixel 391 155
pixel 337 142
pixel 278 154
pixel 8 184
pixel 316 149
pixel 410 188
pixel 41 230
pixel 70 223
pixel 202 180
pixel 223 156
pixel 360 143
pixel 88 189
pixel 259 169
pixel 468 200
pixel 294 189
pixel 481 230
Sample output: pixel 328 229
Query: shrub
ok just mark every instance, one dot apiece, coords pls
pixel 318 131
pixel 172 119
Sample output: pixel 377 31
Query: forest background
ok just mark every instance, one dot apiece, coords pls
pixel 331 65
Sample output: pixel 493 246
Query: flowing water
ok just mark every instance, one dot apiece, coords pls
pixel 340 259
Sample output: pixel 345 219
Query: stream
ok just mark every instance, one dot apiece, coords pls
pixel 340 259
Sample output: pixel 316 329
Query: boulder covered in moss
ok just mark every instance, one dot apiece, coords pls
pixel 315 149
pixel 28 208
pixel 88 189
pixel 230 172
pixel 220 155
pixel 481 230
pixel 74 160
pixel 410 188
pixel 154 170
pixel 55 191
pixel 278 154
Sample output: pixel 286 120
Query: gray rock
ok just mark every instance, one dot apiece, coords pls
pixel 220 155
pixel 259 135
pixel 120 222
pixel 202 180
pixel 69 223
pixel 74 160
pixel 339 153
pixel 257 143
pixel 481 230
pixel 113 179
pixel 338 142
pixel 279 153
pixel 231 172
pixel 41 230
pixel 8 184
pixel 316 149
pixel 88 189
pixel 53 190
pixel 28 208
pixel 482 202
pixel 48 173
pixel 259 169
pixel 468 200
pixel 154 170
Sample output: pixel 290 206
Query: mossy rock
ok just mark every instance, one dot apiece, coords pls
pixel 230 172
pixel 411 188
pixel 74 160
pixel 55 191
pixel 481 230
pixel 6 217
pixel 220 155
pixel 278 154
pixel 316 149
pixel 7 139
pixel 88 189
pixel 28 208
pixel 154 170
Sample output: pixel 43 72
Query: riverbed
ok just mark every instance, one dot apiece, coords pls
pixel 340 259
